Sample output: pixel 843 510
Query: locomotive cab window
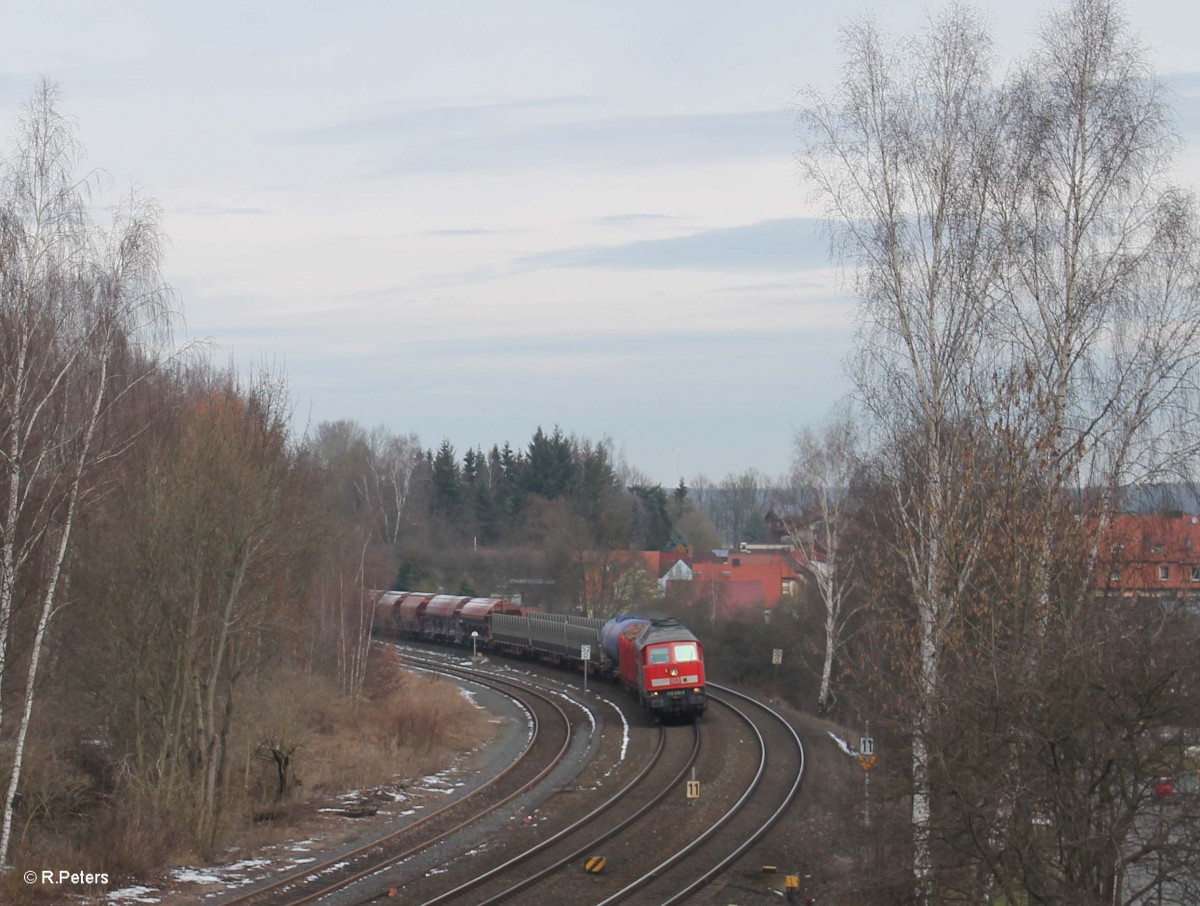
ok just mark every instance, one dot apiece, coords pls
pixel 686 652
pixel 660 655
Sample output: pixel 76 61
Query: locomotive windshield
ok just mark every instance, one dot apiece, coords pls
pixel 686 652
pixel 683 652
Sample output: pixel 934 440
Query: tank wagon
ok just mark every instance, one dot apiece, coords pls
pixel 659 661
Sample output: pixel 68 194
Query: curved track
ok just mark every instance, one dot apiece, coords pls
pixel 721 842
pixel 536 871
pixel 665 848
pixel 547 746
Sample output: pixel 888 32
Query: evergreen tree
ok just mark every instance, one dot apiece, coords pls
pixel 550 466
pixel 652 522
pixel 447 482
pixel 488 514
pixel 595 482
pixel 472 467
pixel 507 490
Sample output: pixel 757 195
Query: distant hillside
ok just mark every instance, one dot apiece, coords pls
pixel 1168 497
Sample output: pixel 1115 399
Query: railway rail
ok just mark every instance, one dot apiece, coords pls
pixel 547 746
pixel 543 864
pixel 667 849
pixel 656 866
pixel 684 873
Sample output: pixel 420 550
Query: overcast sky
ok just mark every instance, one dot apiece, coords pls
pixel 468 219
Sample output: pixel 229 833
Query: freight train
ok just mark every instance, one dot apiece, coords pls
pixel 658 660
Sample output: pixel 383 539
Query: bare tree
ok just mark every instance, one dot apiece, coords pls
pixel 823 467
pixel 901 155
pixel 1029 286
pixel 1101 312
pixel 366 477
pixel 736 505
pixel 75 300
pixel 391 460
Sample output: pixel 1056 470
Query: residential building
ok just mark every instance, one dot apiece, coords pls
pixel 1150 555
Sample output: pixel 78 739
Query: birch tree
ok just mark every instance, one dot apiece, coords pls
pixel 1100 305
pixel 1028 279
pixel 823 468
pixel 900 155
pixel 367 476
pixel 391 460
pixel 76 299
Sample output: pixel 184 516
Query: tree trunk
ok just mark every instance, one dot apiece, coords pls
pixel 48 600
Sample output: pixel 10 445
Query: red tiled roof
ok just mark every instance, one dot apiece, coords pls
pixel 744 577
pixel 1150 553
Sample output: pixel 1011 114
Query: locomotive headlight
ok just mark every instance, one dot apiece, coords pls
pixel 673 672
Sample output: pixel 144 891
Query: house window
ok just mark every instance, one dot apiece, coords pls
pixel 1196 573
pixel 1114 576
pixel 1164 573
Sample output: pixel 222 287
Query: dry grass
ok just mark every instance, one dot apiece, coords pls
pixel 407 727
pixel 78 810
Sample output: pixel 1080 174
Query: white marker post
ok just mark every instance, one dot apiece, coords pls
pixel 866 757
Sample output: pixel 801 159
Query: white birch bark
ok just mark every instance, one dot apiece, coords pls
pixel 898 158
pixel 823 468
pixel 48 602
pixel 70 293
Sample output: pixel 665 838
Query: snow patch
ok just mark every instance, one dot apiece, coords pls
pixel 624 729
pixel 471 698
pixel 133 895
pixel 246 863
pixel 842 744
pixel 195 876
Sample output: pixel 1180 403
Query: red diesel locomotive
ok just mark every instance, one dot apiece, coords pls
pixel 658 660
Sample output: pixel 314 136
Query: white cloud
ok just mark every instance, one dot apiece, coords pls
pixel 467 218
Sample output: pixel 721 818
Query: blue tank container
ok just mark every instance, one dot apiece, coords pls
pixel 611 631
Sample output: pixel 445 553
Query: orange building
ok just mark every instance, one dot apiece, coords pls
pixel 729 581
pixel 745 579
pixel 1150 555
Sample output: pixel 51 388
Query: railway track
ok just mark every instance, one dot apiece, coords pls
pixel 539 870
pixel 663 848
pixel 696 868
pixel 548 744
pixel 666 848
